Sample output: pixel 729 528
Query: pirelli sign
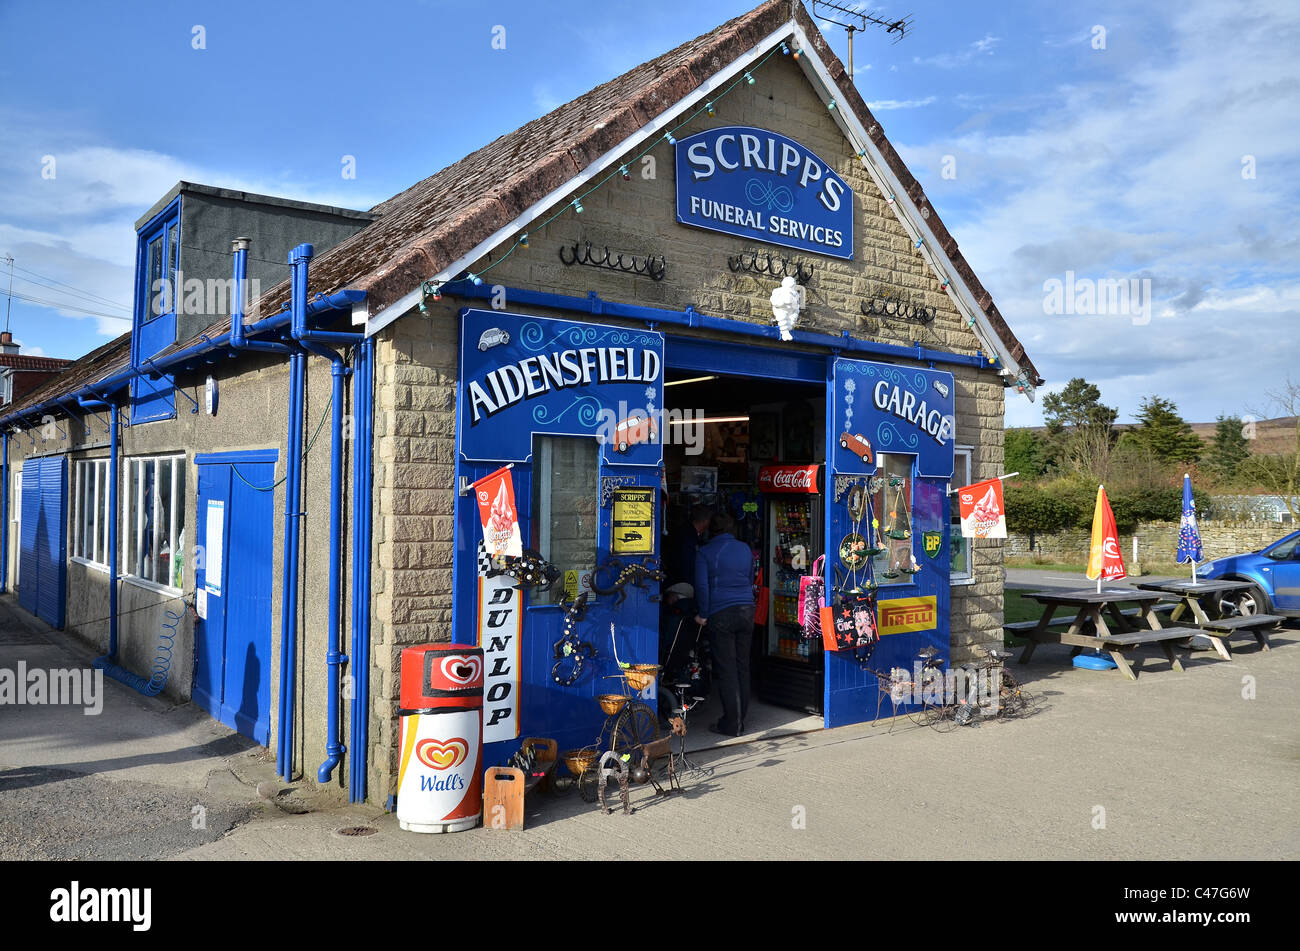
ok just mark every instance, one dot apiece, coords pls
pixel 908 614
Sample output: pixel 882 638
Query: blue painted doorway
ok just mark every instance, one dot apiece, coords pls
pixel 43 539
pixel 235 514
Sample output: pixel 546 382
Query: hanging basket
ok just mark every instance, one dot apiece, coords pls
pixel 579 761
pixel 640 676
pixel 611 703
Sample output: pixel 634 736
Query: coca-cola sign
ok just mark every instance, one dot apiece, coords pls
pixel 788 479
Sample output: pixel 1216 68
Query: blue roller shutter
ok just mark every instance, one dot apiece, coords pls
pixel 52 555
pixel 42 582
pixel 28 579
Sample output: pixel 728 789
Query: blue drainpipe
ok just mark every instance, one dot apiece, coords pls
pixel 4 514
pixel 362 408
pixel 289 590
pixel 290 567
pixel 314 342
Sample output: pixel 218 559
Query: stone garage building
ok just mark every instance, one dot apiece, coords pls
pixel 436 276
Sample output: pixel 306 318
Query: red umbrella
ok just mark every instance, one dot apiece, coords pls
pixel 1104 558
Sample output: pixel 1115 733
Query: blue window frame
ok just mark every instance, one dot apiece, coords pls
pixel 158 293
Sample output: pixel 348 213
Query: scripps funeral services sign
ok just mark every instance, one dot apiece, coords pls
pixel 760 185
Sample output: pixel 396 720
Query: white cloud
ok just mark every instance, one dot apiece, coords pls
pixel 78 225
pixel 981 47
pixel 884 105
pixel 1137 172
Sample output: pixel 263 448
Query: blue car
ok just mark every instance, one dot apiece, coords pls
pixel 1274 575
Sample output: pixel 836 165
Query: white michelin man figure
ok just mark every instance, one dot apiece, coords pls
pixel 787 301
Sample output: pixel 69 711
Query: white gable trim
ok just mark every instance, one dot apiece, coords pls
pixel 562 195
pixel 906 211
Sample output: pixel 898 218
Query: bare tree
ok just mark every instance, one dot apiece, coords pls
pixel 1280 473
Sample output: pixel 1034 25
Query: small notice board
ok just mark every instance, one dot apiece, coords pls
pixel 633 528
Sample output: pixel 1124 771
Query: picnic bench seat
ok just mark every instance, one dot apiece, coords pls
pixel 1117 645
pixel 1256 625
pixel 1160 607
pixel 1021 628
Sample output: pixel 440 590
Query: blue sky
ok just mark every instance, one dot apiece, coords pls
pixel 1121 160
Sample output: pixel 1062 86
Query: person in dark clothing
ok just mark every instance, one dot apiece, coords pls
pixel 724 590
pixel 684 542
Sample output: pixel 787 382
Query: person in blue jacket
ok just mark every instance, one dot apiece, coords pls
pixel 724 590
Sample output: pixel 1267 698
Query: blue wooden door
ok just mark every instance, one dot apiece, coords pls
pixel 905 416
pixel 43 545
pixel 232 677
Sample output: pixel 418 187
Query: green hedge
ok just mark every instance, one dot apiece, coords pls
pixel 1037 509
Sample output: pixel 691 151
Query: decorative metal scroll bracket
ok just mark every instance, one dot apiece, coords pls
pixel 778 267
pixel 894 308
pixel 609 483
pixel 648 266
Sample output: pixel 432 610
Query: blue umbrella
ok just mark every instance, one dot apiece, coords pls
pixel 1189 536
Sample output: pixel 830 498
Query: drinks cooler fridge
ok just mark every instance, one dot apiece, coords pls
pixel 789 667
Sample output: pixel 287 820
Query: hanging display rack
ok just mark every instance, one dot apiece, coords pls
pixel 776 267
pixel 582 253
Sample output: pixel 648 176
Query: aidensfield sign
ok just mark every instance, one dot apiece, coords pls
pixel 757 184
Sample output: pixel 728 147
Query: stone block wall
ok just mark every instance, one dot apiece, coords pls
pixel 1156 541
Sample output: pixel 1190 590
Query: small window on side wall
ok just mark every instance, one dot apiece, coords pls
pixel 961 564
pixel 153 519
pixel 565 506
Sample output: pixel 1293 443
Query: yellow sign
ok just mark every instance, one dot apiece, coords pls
pixel 633 528
pixel 908 614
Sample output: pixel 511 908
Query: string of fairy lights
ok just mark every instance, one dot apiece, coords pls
pixel 432 289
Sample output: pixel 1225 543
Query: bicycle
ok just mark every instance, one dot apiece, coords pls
pixel 630 723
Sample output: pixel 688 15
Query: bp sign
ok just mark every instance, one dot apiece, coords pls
pixel 760 185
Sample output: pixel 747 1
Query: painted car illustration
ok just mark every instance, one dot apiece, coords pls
pixel 633 431
pixel 631 536
pixel 1273 573
pixel 856 445
pixel 493 338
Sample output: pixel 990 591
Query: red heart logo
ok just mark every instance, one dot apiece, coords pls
pixel 462 670
pixel 442 755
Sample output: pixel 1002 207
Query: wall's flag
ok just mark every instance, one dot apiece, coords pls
pixel 496 507
pixel 1189 535
pixel 983 514
pixel 1105 562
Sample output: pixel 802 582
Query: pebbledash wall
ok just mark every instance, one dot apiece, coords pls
pixel 252 413
pixel 417 359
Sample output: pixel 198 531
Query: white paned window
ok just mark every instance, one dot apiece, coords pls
pixel 90 511
pixel 153 521
pixel 961 569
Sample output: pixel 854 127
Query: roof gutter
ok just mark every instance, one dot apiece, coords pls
pixel 690 317
pixel 99 389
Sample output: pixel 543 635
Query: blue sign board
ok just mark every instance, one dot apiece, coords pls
pixel 522 375
pixel 760 185
pixel 881 407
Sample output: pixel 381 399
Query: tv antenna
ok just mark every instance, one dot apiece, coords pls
pixel 859 20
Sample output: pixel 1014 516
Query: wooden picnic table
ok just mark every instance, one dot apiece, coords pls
pixel 1092 605
pixel 1203 600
